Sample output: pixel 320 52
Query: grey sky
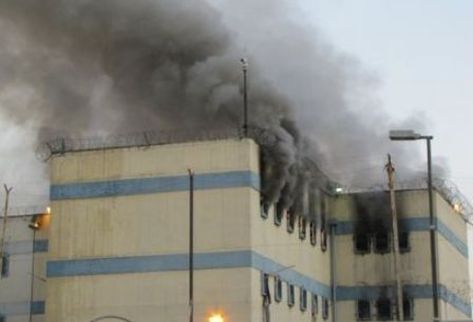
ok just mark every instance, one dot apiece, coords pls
pixel 421 52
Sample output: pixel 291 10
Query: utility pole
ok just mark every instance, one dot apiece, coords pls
pixel 191 245
pixel 399 303
pixel 5 216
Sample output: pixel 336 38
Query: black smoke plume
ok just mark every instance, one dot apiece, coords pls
pixel 114 66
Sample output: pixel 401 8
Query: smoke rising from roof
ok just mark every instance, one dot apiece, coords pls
pixel 81 66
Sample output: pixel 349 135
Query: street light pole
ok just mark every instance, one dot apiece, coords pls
pixel 409 135
pixel 191 245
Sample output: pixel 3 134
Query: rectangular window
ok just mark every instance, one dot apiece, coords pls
pixel 408 308
pixel 264 210
pixel 279 214
pixel 381 242
pixel 323 223
pixel 264 284
pixel 383 306
pixel 2 318
pixel 277 289
pixel 404 245
pixel 325 308
pixel 362 243
pixel 315 305
pixel 291 220
pixel 363 310
pixel 5 265
pixel 290 295
pixel 302 299
pixel 313 232
pixel 302 227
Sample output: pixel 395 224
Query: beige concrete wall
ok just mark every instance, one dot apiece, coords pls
pixel 150 297
pixel 161 160
pixel 150 224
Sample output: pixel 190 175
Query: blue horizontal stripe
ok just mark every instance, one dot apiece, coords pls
pixel 414 224
pixel 21 308
pixel 136 186
pixel 173 262
pixel 415 291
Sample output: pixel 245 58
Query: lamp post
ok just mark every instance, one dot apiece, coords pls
pixel 410 135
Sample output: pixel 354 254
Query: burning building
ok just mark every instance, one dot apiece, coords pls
pixel 118 242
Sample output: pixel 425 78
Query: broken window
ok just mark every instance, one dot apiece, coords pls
pixel 302 227
pixel 315 305
pixel 383 306
pixel 408 308
pixel 5 265
pixel 291 220
pixel 363 310
pixel 381 242
pixel 325 308
pixel 290 295
pixel 313 232
pixel 362 243
pixel 279 213
pixel 404 245
pixel 277 289
pixel 264 210
pixel 302 299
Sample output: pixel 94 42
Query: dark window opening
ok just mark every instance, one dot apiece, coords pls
pixel 315 305
pixel 279 214
pixel 303 299
pixel 362 243
pixel 264 210
pixel 408 308
pixel 325 308
pixel 384 309
pixel 277 289
pixel 264 284
pixel 291 220
pixel 381 242
pixel 363 310
pixel 302 228
pixel 404 245
pixel 2 318
pixel 313 232
pixel 5 265
pixel 290 295
pixel 323 240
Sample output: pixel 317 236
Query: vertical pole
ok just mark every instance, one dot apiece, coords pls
pixel 191 246
pixel 333 276
pixel 433 248
pixel 395 232
pixel 32 276
pixel 245 96
pixel 5 216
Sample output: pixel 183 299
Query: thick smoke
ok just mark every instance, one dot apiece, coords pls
pixel 82 66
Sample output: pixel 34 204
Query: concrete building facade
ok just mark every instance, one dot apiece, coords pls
pixel 119 237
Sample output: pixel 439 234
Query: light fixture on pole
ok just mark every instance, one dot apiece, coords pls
pixel 410 135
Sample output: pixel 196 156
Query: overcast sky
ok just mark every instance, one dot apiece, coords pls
pixel 421 51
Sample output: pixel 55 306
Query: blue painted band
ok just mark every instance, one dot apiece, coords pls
pixel 125 187
pixel 414 224
pixel 179 262
pixel 22 308
pixel 415 291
